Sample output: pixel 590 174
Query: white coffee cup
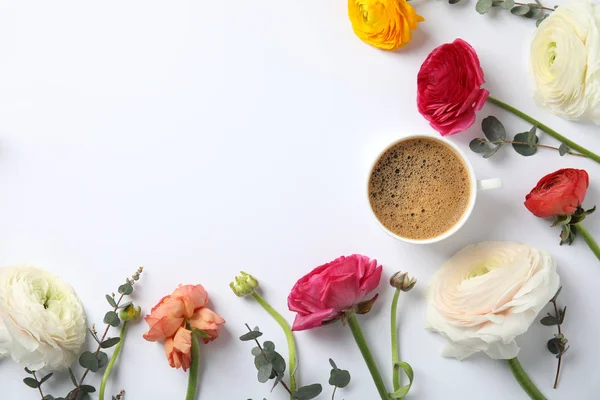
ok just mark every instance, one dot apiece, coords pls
pixel 476 185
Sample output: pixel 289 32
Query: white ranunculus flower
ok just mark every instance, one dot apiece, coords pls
pixel 42 321
pixel 487 294
pixel 565 60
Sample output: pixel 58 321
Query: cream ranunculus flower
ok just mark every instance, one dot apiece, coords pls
pixel 42 321
pixel 487 294
pixel 565 60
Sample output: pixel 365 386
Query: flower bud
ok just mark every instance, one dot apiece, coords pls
pixel 401 280
pixel 244 284
pixel 130 313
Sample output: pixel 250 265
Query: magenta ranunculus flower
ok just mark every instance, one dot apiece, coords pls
pixel 329 290
pixel 449 87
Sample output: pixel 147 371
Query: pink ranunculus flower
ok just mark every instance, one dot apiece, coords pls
pixel 449 87
pixel 329 290
pixel 169 319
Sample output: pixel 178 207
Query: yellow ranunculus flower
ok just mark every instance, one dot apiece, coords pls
pixel 385 24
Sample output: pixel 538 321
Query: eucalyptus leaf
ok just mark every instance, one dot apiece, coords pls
pixel 524 149
pixel 532 138
pixel 45 378
pixel 339 378
pixel 264 372
pixel 534 12
pixel 278 364
pixel 479 145
pixel 508 4
pixel 497 3
pixel 308 392
pixel 520 10
pixel 126 288
pixel 483 6
pixel 102 359
pixel 256 351
pixel 563 149
pixel 540 20
pixel 269 346
pixel 261 360
pixel 555 345
pixel 111 301
pixel 493 129
pixel 453 1
pixel 492 151
pixel 87 389
pixel 88 360
pixel 556 295
pixel 250 336
pixel 32 383
pixel 112 319
pixel 72 376
pixel 332 363
pixel 110 342
pixel 549 321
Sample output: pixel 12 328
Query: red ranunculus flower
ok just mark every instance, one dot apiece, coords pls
pixel 559 193
pixel 329 290
pixel 449 87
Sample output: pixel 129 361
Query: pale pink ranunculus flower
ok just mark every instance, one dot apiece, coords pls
pixel 329 290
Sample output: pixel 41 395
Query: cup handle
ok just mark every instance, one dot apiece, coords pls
pixel 486 184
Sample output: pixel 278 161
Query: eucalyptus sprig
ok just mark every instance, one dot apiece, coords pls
pixel 524 143
pixel 36 383
pixel 536 10
pixel 338 378
pixel 270 365
pixel 94 361
pixel 558 344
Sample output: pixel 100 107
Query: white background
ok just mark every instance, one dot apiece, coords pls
pixel 199 138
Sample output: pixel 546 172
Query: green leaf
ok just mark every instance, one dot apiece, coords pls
pixel 256 351
pixel 540 20
pixel 556 295
pixel 549 321
pixel 532 138
pixel 28 371
pixel 250 336
pixel 479 145
pixel 497 3
pixel 339 378
pixel 403 391
pixel 32 383
pixel 508 4
pixel 453 1
pixel 332 363
pixel 520 10
pixel 555 345
pixel 102 359
pixel 112 319
pixel 483 6
pixel 126 288
pixel 260 360
pixel 534 11
pixel 563 149
pixel 491 152
pixel 89 360
pixel 44 379
pixel 308 392
pixel 493 129
pixel 562 314
pixel 525 149
pixel 269 346
pixel 264 372
pixel 111 301
pixel 110 342
pixel 48 397
pixel 278 364
pixel 87 389
pixel 72 376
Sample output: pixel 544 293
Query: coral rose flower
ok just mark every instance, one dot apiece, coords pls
pixel 329 290
pixel 169 320
pixel 449 87
pixel 558 193
pixel 385 24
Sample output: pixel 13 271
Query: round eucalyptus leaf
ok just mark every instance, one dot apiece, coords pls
pixel 339 378
pixel 493 129
pixel 524 149
pixel 520 10
pixel 264 372
pixel 483 6
pixel 508 4
pixel 479 145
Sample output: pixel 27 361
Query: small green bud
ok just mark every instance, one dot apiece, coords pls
pixel 401 280
pixel 130 313
pixel 244 284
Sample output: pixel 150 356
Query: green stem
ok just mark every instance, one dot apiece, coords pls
pixel 288 336
pixel 545 128
pixel 193 377
pixel 395 354
pixel 366 353
pixel 523 379
pixel 588 239
pixel 112 361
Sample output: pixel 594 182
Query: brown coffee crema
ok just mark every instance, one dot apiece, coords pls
pixel 419 188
